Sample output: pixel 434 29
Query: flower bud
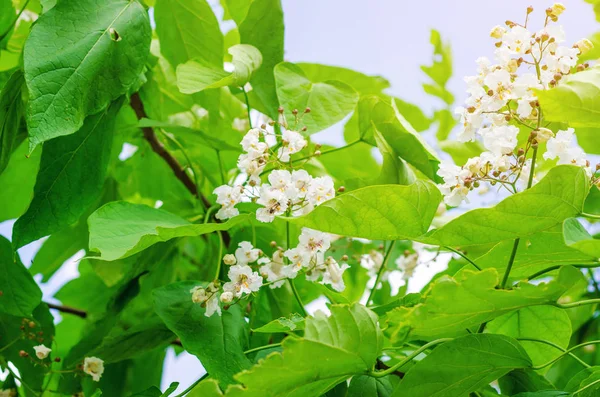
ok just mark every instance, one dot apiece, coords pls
pixel 229 259
pixel 584 46
pixel 557 9
pixel 520 152
pixel 529 9
pixel 295 112
pixel 344 257
pixel 226 297
pixel 497 32
pixel 543 135
pixel 317 153
pixel 273 244
pixel 580 68
pixel 307 110
pixel 341 189
pixel 280 109
pixel 23 353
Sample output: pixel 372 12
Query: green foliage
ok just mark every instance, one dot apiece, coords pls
pixel 171 148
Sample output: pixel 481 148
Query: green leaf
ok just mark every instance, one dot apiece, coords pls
pixel 578 238
pixel 544 393
pixel 574 100
pixel 120 229
pixel 540 322
pixel 197 75
pixel 220 349
pixel 206 388
pixel 17 182
pixel 11 110
pixel 72 173
pixel 188 29
pixel 191 136
pixel 441 69
pixel 283 324
pixel 523 380
pixel 263 28
pixel 329 101
pixel 580 378
pixel 463 365
pixel 374 212
pixel 7 20
pixel 379 114
pixel 80 71
pixel 363 386
pixel 362 83
pixel 559 195
pixel 20 294
pixel 350 339
pixel 535 253
pixel 453 304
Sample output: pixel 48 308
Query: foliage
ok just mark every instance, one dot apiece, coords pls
pixel 180 164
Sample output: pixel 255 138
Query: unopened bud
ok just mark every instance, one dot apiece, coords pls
pixel 543 135
pixel 521 159
pixel 318 146
pixel 229 259
pixel 31 324
pixel 317 153
pixel 584 46
pixel 307 110
pixel 295 112
pixel 56 359
pixel 471 109
pixel 344 257
pixel 304 128
pixel 476 184
pixel 341 189
pixel 23 353
pixel 490 92
pixel 529 9
pixel 557 76
pixel 226 297
pixel 497 32
pixel 508 117
pixel 280 109
pixel 597 167
pixel 552 83
pixel 271 123
pixel 534 144
pixel 510 24
pixel 580 68
pixel 556 9
pixel 520 152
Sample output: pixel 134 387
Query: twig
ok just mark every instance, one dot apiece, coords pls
pixel 68 309
pixel 159 148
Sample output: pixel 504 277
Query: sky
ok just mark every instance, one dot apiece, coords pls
pixel 380 37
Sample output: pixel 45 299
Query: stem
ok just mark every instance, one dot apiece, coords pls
pixel 511 260
pixel 67 309
pixel 592 216
pixel 392 369
pixel 291 281
pixel 331 150
pixel 463 256
pixel 184 152
pixel 186 391
pixel 558 347
pixel 586 386
pixel 220 257
pixel 531 172
pixel 220 166
pixel 380 272
pixel 248 106
pixel 549 269
pixel 566 352
pixel 265 347
pixel 21 380
pixel 594 282
pixel 209 211
pixel 577 304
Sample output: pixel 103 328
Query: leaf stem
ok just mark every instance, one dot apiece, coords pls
pixel 549 269
pixel 190 387
pixel 220 257
pixel 592 216
pixel 565 353
pixel 577 304
pixel 380 272
pixel 331 150
pixel 265 347
pixel 586 386
pixel 392 369
pixel 248 106
pixel 463 256
pixel 511 260
pixel 291 281
pixel 558 347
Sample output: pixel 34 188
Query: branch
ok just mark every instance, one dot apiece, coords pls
pixel 159 148
pixel 67 309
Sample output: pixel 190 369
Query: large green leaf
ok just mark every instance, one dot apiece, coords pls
pixel 17 182
pixel 463 365
pixel 350 339
pixel 363 386
pixel 196 75
pixel 218 341
pixel 120 229
pixel 548 323
pixel 72 173
pixel 188 29
pixel 383 212
pixel 453 304
pixel 20 294
pixel 11 109
pixel 80 56
pixel 559 195
pixel 579 239
pixel 329 101
pixel 574 100
pixel 191 136
pixel 362 83
pixel 537 252
pixel 263 28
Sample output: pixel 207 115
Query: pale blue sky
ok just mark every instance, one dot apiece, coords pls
pixel 388 38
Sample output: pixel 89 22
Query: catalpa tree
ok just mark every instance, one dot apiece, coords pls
pixel 177 164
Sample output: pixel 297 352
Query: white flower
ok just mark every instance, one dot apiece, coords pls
pixel 212 305
pixel 41 351
pixel 228 197
pixel 301 182
pixel 497 32
pixel 372 261
pixel 524 108
pixel 93 366
pixel 246 253
pixel 517 40
pixel 251 143
pixel 559 145
pixel 292 142
pixel 274 270
pixel 298 258
pixel 229 259
pixel 408 264
pixel 321 189
pixel 243 280
pixel 227 297
pixel 208 296
pixel 313 241
pixel 584 46
pixel 333 274
pixel 501 140
pixel 275 203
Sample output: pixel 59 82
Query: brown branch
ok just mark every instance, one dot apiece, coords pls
pixel 67 309
pixel 159 148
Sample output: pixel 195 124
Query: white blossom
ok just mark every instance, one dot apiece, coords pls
pixel 243 280
pixel 42 351
pixel 93 366
pixel 246 253
pixel 333 274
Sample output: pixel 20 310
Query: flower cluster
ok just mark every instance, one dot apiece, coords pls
pixel 292 192
pixel 249 265
pixel 405 263
pixel 92 366
pixel 503 98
